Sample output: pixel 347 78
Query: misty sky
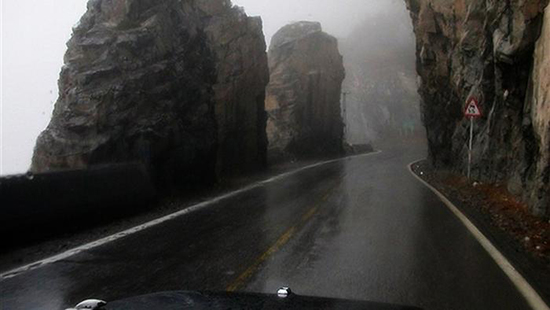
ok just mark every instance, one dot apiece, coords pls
pixel 33 37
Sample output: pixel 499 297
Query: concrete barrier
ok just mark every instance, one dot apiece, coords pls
pixel 36 206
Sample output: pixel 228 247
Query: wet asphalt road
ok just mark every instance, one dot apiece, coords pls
pixel 360 228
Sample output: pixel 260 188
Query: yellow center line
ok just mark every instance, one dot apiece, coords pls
pixel 309 214
pixel 249 272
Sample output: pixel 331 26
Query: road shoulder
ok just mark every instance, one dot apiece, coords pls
pixel 528 273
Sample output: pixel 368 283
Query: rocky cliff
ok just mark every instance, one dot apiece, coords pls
pixel 495 51
pixel 303 95
pixel 169 83
pixel 242 75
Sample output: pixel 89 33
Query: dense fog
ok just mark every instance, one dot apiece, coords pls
pixel 33 35
pixel 338 17
pixel 371 32
pixel 382 102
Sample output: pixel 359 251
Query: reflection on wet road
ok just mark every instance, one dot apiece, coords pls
pixel 360 228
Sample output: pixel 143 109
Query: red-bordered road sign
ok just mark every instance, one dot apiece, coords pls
pixel 472 108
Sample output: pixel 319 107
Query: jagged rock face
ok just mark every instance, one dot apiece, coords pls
pixel 147 81
pixel 488 49
pixel 303 95
pixel 540 113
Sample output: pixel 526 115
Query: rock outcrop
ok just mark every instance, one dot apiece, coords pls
pixel 178 85
pixel 242 75
pixel 493 50
pixel 303 95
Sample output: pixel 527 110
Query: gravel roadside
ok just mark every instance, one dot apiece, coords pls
pixel 523 238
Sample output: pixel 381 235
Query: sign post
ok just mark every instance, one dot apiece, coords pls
pixel 472 111
pixel 470 147
pixel 345 112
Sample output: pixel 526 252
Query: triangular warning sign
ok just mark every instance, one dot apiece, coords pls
pixel 472 108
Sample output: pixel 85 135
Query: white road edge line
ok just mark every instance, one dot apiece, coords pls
pixel 94 244
pixel 531 296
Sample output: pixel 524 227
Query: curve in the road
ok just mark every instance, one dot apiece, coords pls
pixel 528 292
pixel 94 244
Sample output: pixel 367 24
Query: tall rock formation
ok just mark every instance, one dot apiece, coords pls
pixel 166 82
pixel 303 95
pixel 242 75
pixel 493 50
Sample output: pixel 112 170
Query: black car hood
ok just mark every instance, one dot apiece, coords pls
pixel 182 300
